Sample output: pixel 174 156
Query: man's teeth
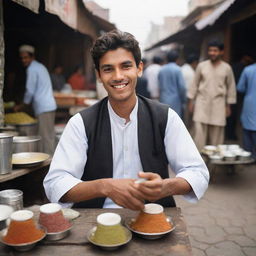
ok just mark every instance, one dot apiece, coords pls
pixel 119 86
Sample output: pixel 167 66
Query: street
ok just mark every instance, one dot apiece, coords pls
pixel 223 222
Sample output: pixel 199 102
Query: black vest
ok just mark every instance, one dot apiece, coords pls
pixel 152 120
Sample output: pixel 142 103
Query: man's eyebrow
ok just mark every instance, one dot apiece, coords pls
pixel 105 66
pixel 126 62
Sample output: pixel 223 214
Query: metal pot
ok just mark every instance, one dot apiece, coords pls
pixel 26 144
pixel 27 129
pixel 6 141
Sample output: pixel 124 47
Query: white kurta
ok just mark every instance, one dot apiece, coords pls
pixel 212 89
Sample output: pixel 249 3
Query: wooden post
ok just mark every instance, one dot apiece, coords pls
pixel 1 63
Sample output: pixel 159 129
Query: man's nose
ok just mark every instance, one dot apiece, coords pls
pixel 118 74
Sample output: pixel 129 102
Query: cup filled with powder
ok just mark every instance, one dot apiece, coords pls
pixel 109 233
pixel 23 232
pixel 52 219
pixel 151 222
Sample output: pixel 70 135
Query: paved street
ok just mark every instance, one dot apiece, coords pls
pixel 223 223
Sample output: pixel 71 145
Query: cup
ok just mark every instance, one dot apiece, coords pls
pixel 22 228
pixel 52 218
pixel 151 220
pixel 5 212
pixel 109 230
pixel 6 141
pixel 12 197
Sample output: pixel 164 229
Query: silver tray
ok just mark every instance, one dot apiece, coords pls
pixel 28 159
pixel 149 236
pixel 109 247
pixel 58 235
pixel 21 247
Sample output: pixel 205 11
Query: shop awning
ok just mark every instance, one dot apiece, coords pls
pixel 31 5
pixel 77 16
pixel 214 16
pixel 191 30
pixel 178 36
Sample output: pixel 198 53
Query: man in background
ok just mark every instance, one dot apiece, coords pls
pixel 171 84
pixel 247 86
pixel 151 74
pixel 39 93
pixel 188 72
pixel 211 94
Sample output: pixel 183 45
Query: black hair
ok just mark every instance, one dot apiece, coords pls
pixel 172 55
pixel 192 58
pixel 157 60
pixel 216 43
pixel 113 40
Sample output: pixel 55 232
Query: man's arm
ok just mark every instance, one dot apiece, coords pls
pixel 192 175
pixel 63 182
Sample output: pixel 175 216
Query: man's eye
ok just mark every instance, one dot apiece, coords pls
pixel 126 66
pixel 107 69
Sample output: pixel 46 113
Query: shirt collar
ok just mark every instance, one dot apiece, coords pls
pixel 119 119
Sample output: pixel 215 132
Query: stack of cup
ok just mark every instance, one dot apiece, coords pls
pixel 6 141
pixel 12 197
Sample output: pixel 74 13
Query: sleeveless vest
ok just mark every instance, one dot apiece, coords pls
pixel 152 120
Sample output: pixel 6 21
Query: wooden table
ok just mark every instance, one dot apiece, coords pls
pixel 18 172
pixel 175 244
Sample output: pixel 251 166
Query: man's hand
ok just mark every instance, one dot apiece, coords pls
pixel 228 110
pixel 156 187
pixel 123 193
pixel 18 108
pixel 190 106
pixel 152 189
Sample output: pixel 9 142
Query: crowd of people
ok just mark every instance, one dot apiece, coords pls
pixel 207 95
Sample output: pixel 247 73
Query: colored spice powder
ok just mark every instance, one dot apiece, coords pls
pixel 151 223
pixel 54 222
pixel 20 232
pixel 109 235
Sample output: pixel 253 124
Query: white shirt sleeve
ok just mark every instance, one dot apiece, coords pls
pixel 68 162
pixel 184 158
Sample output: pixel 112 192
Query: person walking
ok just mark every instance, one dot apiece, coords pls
pixel 188 72
pixel 151 74
pixel 211 94
pixel 247 86
pixel 171 84
pixel 39 93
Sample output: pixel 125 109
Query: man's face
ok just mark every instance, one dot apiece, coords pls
pixel 26 59
pixel 214 53
pixel 118 73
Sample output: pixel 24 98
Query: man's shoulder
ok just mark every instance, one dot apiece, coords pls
pixel 250 68
pixel 156 105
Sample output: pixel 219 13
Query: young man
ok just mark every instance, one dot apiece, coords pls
pixel 123 137
pixel 39 93
pixel 211 94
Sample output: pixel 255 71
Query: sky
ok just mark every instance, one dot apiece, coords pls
pixel 135 16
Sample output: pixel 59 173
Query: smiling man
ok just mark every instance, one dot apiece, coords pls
pixel 124 137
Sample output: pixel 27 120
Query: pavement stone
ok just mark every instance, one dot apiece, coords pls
pixel 242 240
pixel 249 251
pixel 226 248
pixel 223 222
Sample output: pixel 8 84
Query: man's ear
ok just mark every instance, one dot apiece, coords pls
pixel 140 69
pixel 98 76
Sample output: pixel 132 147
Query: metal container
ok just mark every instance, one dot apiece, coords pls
pixel 27 129
pixel 6 141
pixel 26 144
pixel 12 197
